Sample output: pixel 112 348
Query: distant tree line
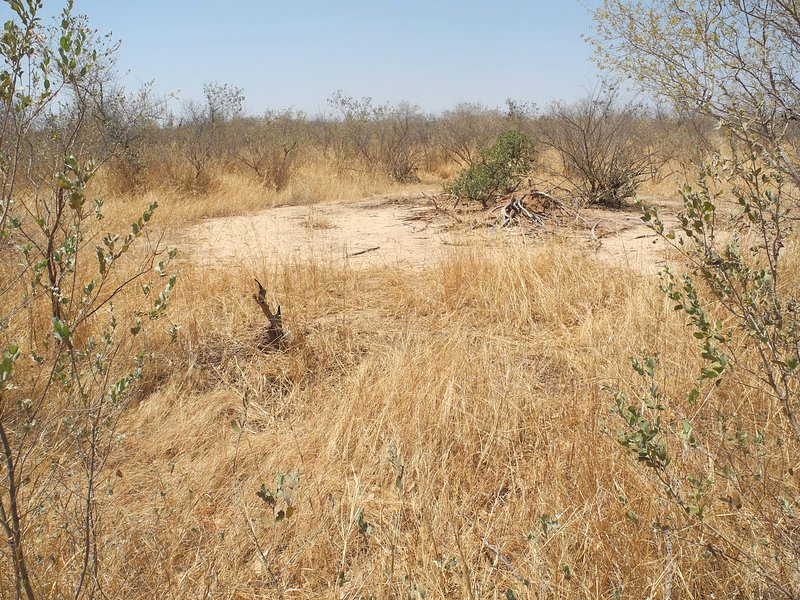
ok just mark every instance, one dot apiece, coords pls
pixel 598 148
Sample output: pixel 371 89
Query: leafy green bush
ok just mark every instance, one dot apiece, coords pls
pixel 77 303
pixel 724 448
pixel 704 447
pixel 500 169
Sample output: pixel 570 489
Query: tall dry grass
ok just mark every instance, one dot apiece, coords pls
pixel 448 427
pixel 317 180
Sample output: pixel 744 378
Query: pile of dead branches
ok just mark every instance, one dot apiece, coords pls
pixel 532 205
pixel 517 208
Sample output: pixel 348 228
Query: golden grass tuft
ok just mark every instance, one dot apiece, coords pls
pixel 317 220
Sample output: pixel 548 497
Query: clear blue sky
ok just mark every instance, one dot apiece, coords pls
pixel 285 53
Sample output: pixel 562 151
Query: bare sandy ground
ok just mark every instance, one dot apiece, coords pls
pixel 623 239
pixel 365 233
pixel 405 232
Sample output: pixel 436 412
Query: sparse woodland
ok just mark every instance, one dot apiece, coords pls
pixel 520 419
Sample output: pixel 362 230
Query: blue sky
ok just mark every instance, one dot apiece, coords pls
pixel 297 53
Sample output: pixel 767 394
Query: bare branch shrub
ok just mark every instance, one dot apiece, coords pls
pixel 125 125
pixel 270 146
pixel 735 62
pixel 196 140
pixel 521 116
pixel 466 130
pixel 383 138
pixel 202 137
pixel 601 143
pixel 223 102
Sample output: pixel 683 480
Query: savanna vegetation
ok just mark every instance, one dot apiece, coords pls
pixel 518 419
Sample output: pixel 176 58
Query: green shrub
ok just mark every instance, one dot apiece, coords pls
pixel 77 307
pixel 500 169
pixel 724 449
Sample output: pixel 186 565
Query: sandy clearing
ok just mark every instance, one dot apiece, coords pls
pixel 366 233
pixel 402 232
pixel 624 239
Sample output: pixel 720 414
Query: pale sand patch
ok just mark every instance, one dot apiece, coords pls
pixel 384 231
pixel 365 233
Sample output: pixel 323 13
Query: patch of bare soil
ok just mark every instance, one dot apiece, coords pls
pixel 620 237
pixel 366 233
pixel 408 232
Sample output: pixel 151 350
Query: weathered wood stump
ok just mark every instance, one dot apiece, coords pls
pixel 274 336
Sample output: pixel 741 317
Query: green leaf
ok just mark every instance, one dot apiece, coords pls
pixel 61 331
pixel 693 396
pixel 266 495
pixel 10 355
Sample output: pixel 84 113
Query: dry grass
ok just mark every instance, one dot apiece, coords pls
pixel 458 410
pixel 317 220
pixel 316 181
pixel 483 374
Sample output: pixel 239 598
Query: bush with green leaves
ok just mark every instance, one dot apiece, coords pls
pixel 725 447
pixel 712 451
pixel 500 169
pixel 75 302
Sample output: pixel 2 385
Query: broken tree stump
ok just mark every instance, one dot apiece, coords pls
pixel 274 336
